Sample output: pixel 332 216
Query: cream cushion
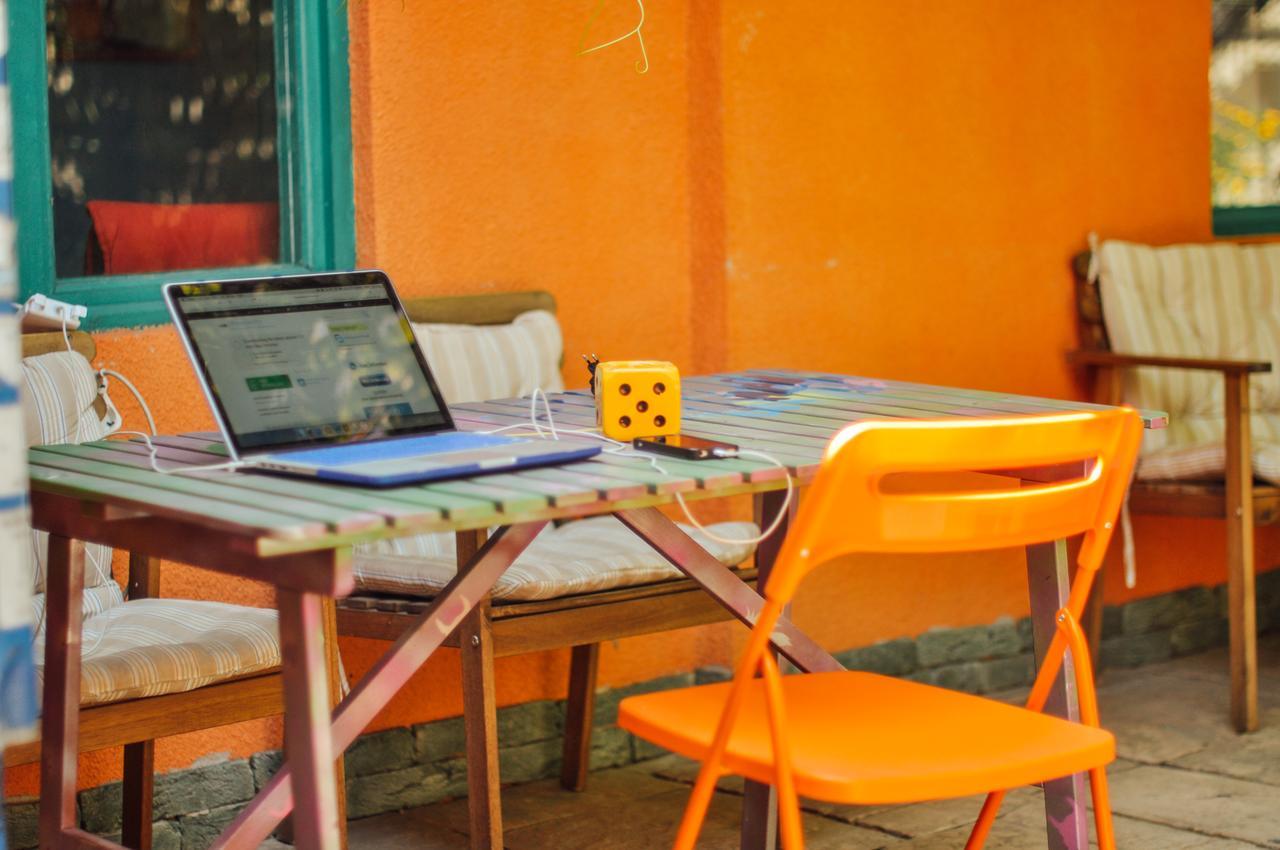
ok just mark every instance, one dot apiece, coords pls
pixel 1217 301
pixel 482 362
pixel 145 647
pixel 58 395
pixel 150 647
pixel 581 557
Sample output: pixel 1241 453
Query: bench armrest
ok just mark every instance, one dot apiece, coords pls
pixel 1108 358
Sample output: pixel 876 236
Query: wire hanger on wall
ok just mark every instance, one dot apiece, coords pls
pixel 642 64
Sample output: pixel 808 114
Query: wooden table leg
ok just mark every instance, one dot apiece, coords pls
pixel 480 713
pixel 337 690
pixel 383 681
pixel 579 718
pixel 760 800
pixel 137 794
pixel 1065 800
pixel 60 717
pixel 138 789
pixel 308 738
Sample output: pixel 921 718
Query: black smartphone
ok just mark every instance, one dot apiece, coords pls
pixel 685 447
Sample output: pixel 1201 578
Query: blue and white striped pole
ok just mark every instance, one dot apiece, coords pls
pixel 17 676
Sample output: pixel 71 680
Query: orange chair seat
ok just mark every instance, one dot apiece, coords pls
pixel 897 741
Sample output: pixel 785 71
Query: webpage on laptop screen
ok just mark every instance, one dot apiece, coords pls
pixel 326 363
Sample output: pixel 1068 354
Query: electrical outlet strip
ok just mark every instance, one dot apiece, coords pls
pixel 42 313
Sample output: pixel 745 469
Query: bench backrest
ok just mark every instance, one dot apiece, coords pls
pixel 61 405
pixel 1213 301
pixel 483 347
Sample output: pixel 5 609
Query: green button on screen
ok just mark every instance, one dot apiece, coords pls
pixel 268 382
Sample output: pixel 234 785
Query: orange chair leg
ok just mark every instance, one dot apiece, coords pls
pixel 784 779
pixel 700 800
pixel 695 812
pixel 1102 809
pixel 987 817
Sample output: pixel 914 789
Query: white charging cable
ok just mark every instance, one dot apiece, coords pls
pixel 620 449
pixel 152 450
pixel 105 375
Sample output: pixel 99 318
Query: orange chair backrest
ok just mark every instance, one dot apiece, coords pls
pixel 848 509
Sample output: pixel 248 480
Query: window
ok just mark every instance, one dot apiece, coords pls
pixel 1244 86
pixel 161 140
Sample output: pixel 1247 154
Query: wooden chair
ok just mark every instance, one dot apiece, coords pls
pixel 496 629
pixel 136 722
pixel 1236 497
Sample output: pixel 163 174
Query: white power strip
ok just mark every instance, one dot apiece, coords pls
pixel 42 313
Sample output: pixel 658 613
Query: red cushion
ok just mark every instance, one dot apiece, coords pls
pixel 139 237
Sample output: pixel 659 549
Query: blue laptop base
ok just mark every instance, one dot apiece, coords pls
pixel 341 464
pixel 462 471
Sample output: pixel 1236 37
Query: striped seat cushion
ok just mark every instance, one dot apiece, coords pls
pixel 586 556
pixel 482 362
pixel 150 647
pixel 1216 301
pixel 58 395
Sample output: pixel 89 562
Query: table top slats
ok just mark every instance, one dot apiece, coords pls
pixel 606 487
pixel 1151 418
pixel 394 511
pixel 452 505
pixel 66 478
pixel 200 441
pixel 787 415
pixel 570 412
pixel 777 424
pixel 560 494
pixel 226 486
pixel 825 419
pixel 576 410
pixel 576 415
pixel 654 481
pixel 485 416
pixel 505 499
pixel 857 406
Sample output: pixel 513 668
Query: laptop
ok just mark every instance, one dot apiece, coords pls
pixel 319 375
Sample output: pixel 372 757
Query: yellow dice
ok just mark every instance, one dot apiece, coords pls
pixel 637 398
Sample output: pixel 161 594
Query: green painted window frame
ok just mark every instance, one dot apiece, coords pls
pixel 317 208
pixel 1246 221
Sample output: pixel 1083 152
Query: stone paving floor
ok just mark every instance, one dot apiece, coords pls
pixel 1184 780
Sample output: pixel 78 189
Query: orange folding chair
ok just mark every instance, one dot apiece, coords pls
pixel 854 737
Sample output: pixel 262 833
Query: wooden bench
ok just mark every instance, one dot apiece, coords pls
pixel 1237 497
pixel 494 630
pixel 135 724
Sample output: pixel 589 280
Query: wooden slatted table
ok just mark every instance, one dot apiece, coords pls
pixel 297 535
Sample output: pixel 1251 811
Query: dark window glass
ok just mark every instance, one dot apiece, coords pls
pixel 162 126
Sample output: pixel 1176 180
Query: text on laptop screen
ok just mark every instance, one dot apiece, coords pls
pixel 304 364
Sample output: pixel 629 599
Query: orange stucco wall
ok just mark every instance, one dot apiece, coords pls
pixel 860 187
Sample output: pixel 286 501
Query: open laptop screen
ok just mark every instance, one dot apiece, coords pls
pixel 308 360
